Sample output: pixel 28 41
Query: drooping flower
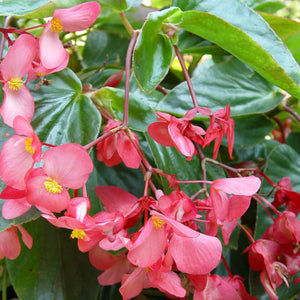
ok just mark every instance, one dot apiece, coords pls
pixel 173 132
pixel 19 153
pixel 118 147
pixel 15 65
pixel 80 17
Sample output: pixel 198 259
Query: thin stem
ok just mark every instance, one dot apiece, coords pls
pixel 275 210
pixel 280 125
pixel 266 210
pixel 103 136
pixel 4 284
pixel 247 233
pixel 162 89
pixel 203 166
pixel 226 266
pixel 126 23
pixel 127 77
pixel 187 76
pixel 194 181
pixel 292 112
pixel 2 42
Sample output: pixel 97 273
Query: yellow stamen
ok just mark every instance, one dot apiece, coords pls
pixel 56 25
pixel 78 234
pixel 157 222
pixel 28 145
pixel 52 186
pixel 15 83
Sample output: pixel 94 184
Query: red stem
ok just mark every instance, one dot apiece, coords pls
pixel 247 232
pixel 226 266
pixel 187 77
pixel 127 77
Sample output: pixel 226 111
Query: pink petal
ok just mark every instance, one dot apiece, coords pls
pixel 79 17
pixel 168 282
pixel 128 152
pixel 13 208
pixel 115 199
pixel 198 255
pixel 239 186
pixel 133 284
pixel 159 132
pixel 227 228
pixel 52 51
pixel 238 205
pixel 17 62
pixel 9 243
pixel 69 164
pixel 101 259
pixel 39 196
pixel 115 273
pixel 149 246
pixel 15 162
pixel 183 144
pixel 16 103
pixel 26 237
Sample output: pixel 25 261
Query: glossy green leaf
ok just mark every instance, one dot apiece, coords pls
pixel 20 7
pixel 54 268
pixel 62 113
pixel 269 6
pixel 250 130
pixel 141 115
pixel 293 140
pixel 230 82
pixel 288 30
pixel 258 46
pixel 103 48
pixel 153 51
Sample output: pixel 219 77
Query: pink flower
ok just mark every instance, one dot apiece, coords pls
pixel 15 65
pixel 220 125
pixel 179 133
pixel 65 166
pixel 19 153
pixel 118 147
pixel 229 209
pixel 80 17
pixel 9 242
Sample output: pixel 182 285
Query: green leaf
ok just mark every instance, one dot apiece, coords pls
pixel 269 6
pixel 103 48
pixel 20 7
pixel 288 30
pixel 153 51
pixel 54 268
pixel 256 45
pixel 293 140
pixel 62 113
pixel 141 115
pixel 250 130
pixel 118 5
pixel 230 82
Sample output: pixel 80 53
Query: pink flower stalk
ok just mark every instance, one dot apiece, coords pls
pixel 179 133
pixel 77 18
pixel 10 246
pixel 118 147
pixel 19 153
pixel 15 65
pixel 229 209
pixel 65 166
